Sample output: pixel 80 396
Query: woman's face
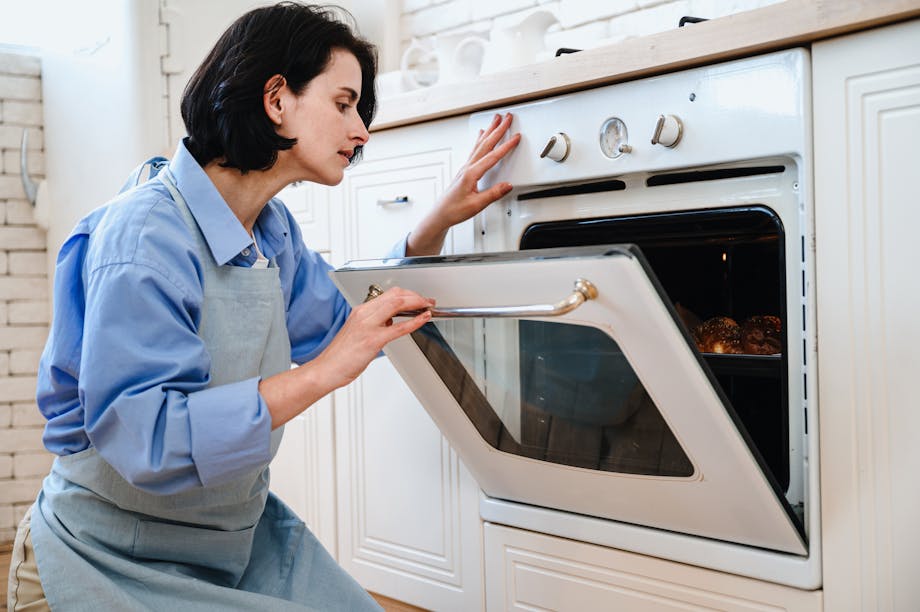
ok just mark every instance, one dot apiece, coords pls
pixel 324 119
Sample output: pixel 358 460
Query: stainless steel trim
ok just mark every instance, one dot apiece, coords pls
pixel 584 290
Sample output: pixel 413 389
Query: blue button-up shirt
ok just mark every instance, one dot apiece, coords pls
pixel 124 369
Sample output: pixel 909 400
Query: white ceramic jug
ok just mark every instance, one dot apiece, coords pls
pixel 518 44
pixel 459 57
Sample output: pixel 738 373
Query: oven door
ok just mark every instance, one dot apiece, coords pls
pixel 566 380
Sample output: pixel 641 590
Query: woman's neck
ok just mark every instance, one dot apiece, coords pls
pixel 245 194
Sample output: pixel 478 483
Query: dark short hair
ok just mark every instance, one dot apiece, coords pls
pixel 222 103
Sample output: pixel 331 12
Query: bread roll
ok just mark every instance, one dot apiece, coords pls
pixel 762 335
pixel 719 335
pixel 690 320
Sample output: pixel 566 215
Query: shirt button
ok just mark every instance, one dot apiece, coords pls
pixel 245 252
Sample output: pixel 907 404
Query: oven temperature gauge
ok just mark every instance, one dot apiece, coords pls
pixel 614 138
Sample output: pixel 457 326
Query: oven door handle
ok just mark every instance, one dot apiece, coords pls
pixel 584 291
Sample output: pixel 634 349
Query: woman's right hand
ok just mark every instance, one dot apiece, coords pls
pixel 368 328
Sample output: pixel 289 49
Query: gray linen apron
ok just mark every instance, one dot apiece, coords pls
pixel 102 544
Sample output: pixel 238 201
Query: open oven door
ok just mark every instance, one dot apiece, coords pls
pixel 565 379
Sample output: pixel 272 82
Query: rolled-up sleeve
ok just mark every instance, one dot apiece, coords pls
pixel 143 385
pixel 221 453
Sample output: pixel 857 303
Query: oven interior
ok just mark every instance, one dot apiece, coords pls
pixel 582 405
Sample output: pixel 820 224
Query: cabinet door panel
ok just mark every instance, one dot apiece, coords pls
pixel 403 490
pixel 867 125
pixel 408 510
pixel 303 471
pixel 530 571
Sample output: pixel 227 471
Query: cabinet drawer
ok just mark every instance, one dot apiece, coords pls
pixel 529 571
pixel 386 198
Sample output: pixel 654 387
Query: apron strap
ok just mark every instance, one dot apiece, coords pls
pixel 154 163
pixel 167 179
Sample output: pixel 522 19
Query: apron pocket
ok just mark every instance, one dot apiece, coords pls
pixel 213 555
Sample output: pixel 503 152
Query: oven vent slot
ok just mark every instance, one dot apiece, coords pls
pixel 555 192
pixel 675 178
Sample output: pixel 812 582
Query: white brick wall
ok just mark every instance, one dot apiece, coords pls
pixel 24 311
pixel 582 23
pixel 26 414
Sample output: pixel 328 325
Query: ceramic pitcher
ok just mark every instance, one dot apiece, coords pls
pixel 458 56
pixel 517 44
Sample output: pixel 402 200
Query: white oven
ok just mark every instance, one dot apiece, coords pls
pixel 629 359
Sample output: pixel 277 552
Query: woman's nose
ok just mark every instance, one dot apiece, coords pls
pixel 359 132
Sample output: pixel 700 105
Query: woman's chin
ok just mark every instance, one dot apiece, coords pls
pixel 330 178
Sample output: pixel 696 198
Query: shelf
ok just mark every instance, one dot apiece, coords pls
pixel 767 366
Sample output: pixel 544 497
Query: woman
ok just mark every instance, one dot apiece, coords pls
pixel 179 307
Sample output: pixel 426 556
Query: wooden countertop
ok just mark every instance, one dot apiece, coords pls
pixel 778 26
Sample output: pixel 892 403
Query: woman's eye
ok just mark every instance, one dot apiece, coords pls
pixel 343 107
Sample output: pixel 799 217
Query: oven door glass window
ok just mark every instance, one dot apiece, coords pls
pixel 568 395
pixel 599 406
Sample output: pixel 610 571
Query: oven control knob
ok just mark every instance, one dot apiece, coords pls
pixel 668 131
pixel 557 147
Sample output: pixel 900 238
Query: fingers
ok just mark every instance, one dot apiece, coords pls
pixel 482 133
pixel 396 300
pixel 481 166
pixel 382 309
pixel 493 193
pixel 490 137
pixel 493 135
pixel 408 326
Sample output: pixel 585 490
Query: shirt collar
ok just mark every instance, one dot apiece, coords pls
pixel 222 231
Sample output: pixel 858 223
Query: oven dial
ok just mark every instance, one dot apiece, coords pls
pixel 668 131
pixel 557 147
pixel 613 138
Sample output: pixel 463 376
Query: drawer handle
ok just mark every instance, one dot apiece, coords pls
pixel 396 200
pixel 584 291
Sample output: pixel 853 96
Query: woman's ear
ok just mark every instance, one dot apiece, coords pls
pixel 272 99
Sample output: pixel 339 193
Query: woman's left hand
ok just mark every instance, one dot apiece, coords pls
pixel 463 199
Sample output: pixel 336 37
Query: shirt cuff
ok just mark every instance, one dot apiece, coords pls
pixel 231 431
pixel 398 250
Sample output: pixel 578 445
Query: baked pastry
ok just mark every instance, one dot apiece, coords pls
pixel 762 335
pixel 690 320
pixel 719 335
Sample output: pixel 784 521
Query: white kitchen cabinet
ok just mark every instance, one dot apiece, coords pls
pixel 867 126
pixel 303 471
pixel 408 515
pixel 533 571
pixel 309 204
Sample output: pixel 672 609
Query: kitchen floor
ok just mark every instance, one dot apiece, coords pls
pixel 390 605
